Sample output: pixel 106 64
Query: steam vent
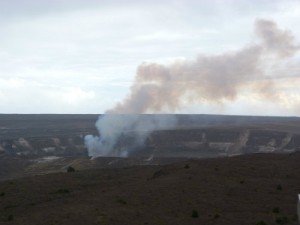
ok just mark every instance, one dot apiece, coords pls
pixel 197 136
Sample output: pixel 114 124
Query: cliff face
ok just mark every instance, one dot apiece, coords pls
pixel 64 145
pixel 194 136
pixel 206 142
pixel 39 144
pixel 203 142
pixel 44 135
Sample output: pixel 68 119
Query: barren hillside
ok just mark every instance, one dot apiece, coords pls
pixel 254 189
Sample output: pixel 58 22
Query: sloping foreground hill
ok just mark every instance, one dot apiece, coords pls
pixel 13 167
pixel 250 189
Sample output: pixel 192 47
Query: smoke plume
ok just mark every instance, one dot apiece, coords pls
pixel 121 134
pixel 214 79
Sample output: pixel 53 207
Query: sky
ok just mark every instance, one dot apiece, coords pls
pixel 81 56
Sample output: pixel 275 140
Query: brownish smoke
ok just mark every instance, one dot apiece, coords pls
pixel 280 42
pixel 211 78
pixel 214 79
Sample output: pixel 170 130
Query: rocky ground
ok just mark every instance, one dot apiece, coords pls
pixel 252 189
pixel 207 170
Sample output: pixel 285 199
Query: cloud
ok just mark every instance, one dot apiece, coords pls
pixel 75 96
pixel 13 83
pixel 29 96
pixel 96 45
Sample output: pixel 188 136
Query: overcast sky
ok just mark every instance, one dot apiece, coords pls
pixel 81 56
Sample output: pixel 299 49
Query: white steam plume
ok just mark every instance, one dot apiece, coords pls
pixel 124 133
pixel 213 79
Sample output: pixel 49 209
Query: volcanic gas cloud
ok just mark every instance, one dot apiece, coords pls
pixel 214 79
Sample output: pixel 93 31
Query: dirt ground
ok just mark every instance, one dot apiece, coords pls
pixel 252 189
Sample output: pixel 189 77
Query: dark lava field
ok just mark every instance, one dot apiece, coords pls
pixel 38 144
pixel 209 169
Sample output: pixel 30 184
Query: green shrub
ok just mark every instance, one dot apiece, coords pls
pixel 158 173
pixel 279 187
pixel 10 218
pixel 276 210
pixel 70 169
pixel 261 223
pixel 11 206
pixel 62 191
pixel 216 216
pixel 195 214
pixel 121 201
pixel 282 220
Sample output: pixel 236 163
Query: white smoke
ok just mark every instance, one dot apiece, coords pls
pixel 132 128
pixel 213 79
